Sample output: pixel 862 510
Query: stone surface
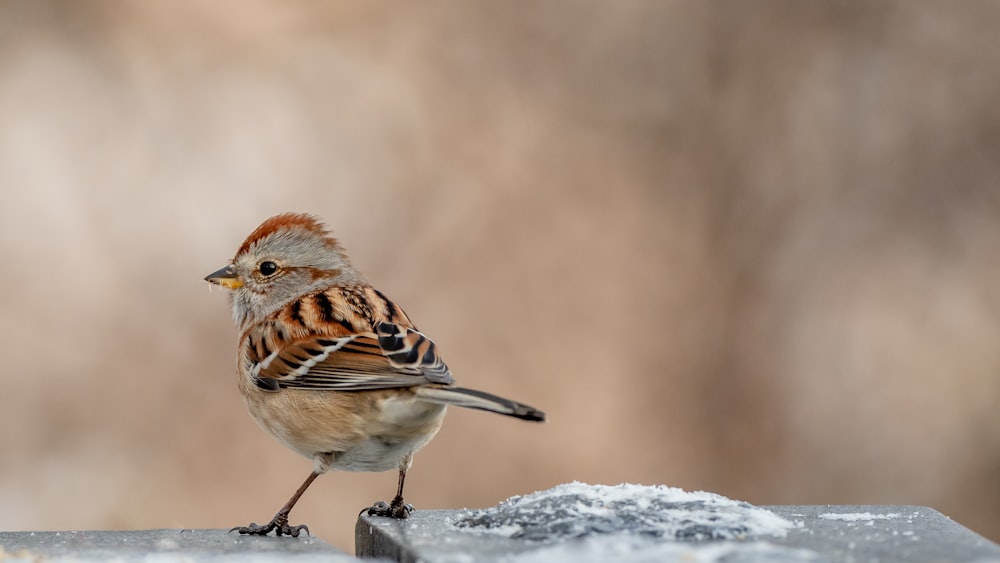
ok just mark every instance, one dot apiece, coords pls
pixel 883 533
pixel 819 533
pixel 163 545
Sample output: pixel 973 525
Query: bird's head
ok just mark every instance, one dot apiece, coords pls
pixel 286 257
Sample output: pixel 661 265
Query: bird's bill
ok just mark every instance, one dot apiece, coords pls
pixel 226 277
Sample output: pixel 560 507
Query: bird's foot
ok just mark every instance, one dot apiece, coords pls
pixel 397 509
pixel 279 524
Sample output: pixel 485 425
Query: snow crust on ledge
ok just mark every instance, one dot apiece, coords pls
pixel 859 516
pixel 579 510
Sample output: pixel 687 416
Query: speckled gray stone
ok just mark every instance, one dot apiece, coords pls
pixel 164 545
pixel 919 533
pixel 822 533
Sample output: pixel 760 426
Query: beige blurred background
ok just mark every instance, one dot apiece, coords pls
pixel 747 247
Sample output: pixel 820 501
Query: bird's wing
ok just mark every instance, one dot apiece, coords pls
pixel 392 356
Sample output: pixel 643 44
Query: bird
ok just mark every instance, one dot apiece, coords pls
pixel 333 368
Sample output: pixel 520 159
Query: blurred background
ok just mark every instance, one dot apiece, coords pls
pixel 745 247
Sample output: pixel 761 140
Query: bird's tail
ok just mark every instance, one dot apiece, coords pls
pixel 472 399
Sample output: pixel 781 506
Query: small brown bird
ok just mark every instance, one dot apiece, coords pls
pixel 330 366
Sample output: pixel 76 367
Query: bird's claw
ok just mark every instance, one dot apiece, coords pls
pixel 395 510
pixel 279 524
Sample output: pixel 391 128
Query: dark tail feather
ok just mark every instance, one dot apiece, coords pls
pixel 472 399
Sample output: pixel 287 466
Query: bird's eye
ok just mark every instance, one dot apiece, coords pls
pixel 267 267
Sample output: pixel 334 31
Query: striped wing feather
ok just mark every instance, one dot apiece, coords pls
pixel 392 357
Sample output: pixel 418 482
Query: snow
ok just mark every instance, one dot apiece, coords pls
pixel 634 513
pixel 859 516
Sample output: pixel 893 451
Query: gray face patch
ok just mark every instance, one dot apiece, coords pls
pixel 297 254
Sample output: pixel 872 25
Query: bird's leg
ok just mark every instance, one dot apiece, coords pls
pixel 397 508
pixel 280 521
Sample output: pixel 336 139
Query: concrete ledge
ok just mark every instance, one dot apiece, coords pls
pixel 561 530
pixel 163 545
pixel 820 533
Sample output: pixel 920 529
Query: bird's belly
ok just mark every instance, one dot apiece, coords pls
pixel 376 454
pixel 366 431
pixel 402 428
